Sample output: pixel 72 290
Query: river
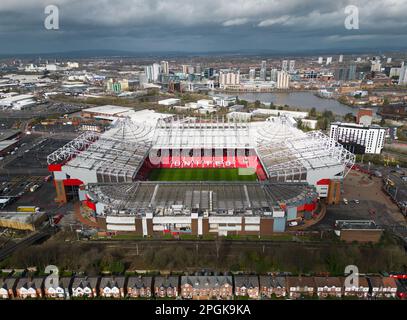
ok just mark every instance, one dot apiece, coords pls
pixel 301 100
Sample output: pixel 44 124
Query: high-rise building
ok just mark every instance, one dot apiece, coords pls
pixel 185 68
pixel 344 73
pixel 263 74
pixel 208 73
pixel 292 66
pixel 389 60
pixel 148 70
pixel 328 60
pixel 252 74
pixel 191 70
pixel 152 72
pixel 263 70
pixel 376 66
pixel 341 58
pixel 284 65
pixel 228 77
pixel 283 80
pixel 165 67
pixel 273 74
pixel 403 74
pixel 352 72
pixel 198 69
pixel 320 60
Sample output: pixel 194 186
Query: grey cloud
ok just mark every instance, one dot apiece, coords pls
pixel 191 25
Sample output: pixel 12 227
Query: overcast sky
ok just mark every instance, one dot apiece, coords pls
pixel 200 25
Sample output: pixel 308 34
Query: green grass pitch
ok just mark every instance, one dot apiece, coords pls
pixel 199 174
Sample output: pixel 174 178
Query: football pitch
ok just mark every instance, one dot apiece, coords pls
pixel 200 174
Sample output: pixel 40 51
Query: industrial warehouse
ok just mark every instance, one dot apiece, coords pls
pixel 151 179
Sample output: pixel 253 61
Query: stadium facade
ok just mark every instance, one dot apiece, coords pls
pixel 109 172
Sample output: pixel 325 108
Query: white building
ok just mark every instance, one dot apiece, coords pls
pixel 283 80
pixel 169 102
pixel 284 65
pixel 252 74
pixel 275 112
pixel 320 60
pixel 328 60
pixel 292 66
pixel 229 78
pixel 165 67
pixel 223 101
pixel 376 66
pixel 403 74
pixel 235 115
pixel 358 138
pixel 152 72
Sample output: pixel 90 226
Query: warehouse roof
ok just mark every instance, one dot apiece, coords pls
pixel 107 109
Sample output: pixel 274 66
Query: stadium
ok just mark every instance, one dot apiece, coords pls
pixel 200 177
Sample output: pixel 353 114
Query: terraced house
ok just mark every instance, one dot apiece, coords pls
pixel 247 286
pixel 166 287
pixel 328 287
pixel 58 289
pixel 7 287
pixel 84 287
pixel 359 290
pixel 139 287
pixel 382 287
pixel 300 287
pixel 207 287
pixel 30 288
pixel 270 286
pixel 112 287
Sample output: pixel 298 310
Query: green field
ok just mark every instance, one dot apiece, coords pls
pixel 199 174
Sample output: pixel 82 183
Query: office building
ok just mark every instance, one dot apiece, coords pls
pixel 328 60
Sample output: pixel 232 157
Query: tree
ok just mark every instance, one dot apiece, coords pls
pixel 257 104
pixel 313 112
pixel 349 117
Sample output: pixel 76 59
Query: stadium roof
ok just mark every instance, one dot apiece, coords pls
pixel 118 152
pixel 216 197
pixel 190 133
pixel 287 153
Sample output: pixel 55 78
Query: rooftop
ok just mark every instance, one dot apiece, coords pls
pixel 107 109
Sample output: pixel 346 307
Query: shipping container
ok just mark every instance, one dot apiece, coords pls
pixel 28 209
